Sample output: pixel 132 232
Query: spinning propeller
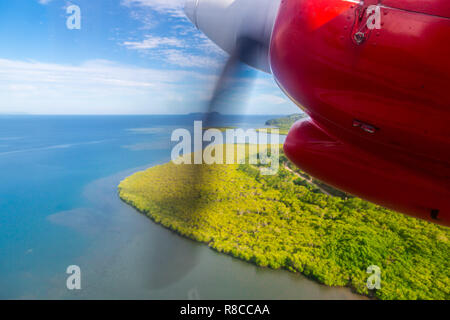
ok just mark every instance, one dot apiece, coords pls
pixel 243 29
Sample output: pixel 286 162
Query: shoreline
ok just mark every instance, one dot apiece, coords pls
pixel 323 242
pixel 185 237
pixel 179 233
pixel 129 256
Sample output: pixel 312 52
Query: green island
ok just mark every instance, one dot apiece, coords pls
pixel 290 221
pixel 221 129
pixel 283 124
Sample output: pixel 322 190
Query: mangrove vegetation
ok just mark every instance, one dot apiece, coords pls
pixel 287 221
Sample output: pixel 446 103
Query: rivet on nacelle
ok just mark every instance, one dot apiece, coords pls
pixel 359 37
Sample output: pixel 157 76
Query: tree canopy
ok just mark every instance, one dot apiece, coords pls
pixel 284 221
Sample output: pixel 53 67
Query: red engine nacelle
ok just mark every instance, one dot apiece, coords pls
pixel 373 76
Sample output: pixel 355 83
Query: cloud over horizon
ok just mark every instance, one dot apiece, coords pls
pixel 130 57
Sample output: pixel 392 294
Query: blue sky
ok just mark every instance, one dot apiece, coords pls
pixel 129 57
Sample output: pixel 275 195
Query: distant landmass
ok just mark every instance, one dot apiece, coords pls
pixel 203 114
pixel 284 124
pixel 286 121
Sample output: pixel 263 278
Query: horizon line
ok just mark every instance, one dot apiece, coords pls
pixel 142 114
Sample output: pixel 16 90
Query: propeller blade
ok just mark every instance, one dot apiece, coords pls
pixel 246 52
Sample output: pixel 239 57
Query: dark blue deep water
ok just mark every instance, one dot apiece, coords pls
pixel 58 207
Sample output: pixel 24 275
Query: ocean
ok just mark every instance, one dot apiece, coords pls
pixel 59 207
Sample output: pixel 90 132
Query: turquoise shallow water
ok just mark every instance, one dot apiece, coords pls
pixel 59 207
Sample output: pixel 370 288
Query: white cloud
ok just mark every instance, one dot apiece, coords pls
pixel 147 20
pixel 151 42
pixel 270 99
pixel 95 87
pixel 171 7
pixel 44 2
pixel 105 87
pixel 180 44
pixel 179 58
pixel 174 51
